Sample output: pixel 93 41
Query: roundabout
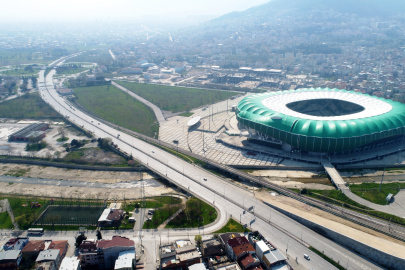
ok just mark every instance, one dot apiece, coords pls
pixel 322 120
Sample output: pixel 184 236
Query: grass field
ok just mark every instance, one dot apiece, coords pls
pixel 197 213
pixel 160 216
pixel 27 106
pixel 71 71
pixel 63 227
pixel 101 57
pixel 372 193
pixel 186 114
pixel 176 99
pixel 117 107
pixel 232 226
pixel 20 72
pixel 155 202
pixel 5 221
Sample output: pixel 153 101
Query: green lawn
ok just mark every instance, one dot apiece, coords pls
pixel 27 106
pixel 5 221
pixel 330 260
pixel 197 213
pixel 62 227
pixel 101 57
pixel 176 99
pixel 186 114
pixel 71 71
pixel 117 107
pixel 19 72
pixel 23 215
pixel 372 193
pixel 232 226
pixel 154 202
pixel 62 139
pixel 160 215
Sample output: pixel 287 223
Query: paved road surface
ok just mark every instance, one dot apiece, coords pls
pixel 189 177
pixel 158 113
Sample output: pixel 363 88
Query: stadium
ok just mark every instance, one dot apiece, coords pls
pixel 322 120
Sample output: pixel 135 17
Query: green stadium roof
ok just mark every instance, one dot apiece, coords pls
pixel 375 118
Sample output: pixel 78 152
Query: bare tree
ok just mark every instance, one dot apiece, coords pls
pixel 62 131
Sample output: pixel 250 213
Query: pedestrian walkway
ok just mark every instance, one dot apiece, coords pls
pixel 335 177
pixel 158 113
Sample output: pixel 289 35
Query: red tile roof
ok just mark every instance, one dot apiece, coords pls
pixel 61 245
pixel 35 245
pixel 246 260
pixel 115 241
pixel 256 267
pixel 240 250
pixel 116 214
pixel 237 241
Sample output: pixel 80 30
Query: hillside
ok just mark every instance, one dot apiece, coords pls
pixel 362 8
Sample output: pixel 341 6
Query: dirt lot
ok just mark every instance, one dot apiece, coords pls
pixel 69 174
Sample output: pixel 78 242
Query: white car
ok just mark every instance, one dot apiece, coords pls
pixel 307 257
pixel 205 179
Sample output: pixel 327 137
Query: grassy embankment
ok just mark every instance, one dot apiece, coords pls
pixel 176 99
pixel 372 193
pixel 20 72
pixel 197 213
pixel 338 198
pixel 5 221
pixel 115 106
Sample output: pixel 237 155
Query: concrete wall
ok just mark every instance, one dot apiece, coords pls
pixel 371 253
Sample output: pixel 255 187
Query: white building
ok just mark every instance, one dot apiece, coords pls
pixel 70 263
pixel 125 261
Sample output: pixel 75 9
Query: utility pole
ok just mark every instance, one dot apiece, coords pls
pixel 382 178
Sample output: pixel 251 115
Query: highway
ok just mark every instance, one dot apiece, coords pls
pixel 222 194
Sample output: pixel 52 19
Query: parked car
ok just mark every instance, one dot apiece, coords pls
pixel 307 257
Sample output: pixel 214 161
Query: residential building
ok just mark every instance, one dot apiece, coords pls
pixel 111 217
pixel 70 263
pixel 16 243
pixel 108 250
pixel 88 253
pixel 227 266
pixel 125 261
pixel 247 261
pixel 211 247
pixel 242 250
pixel 62 246
pixel 181 257
pixel 33 248
pixel 10 259
pixel 197 266
pixel 48 259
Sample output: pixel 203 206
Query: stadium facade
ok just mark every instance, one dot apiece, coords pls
pixel 322 120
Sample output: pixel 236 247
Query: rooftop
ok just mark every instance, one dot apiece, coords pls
pixel 69 263
pixel 197 266
pixel 9 255
pixel 115 241
pixel 237 241
pixel 240 250
pixel 125 259
pixel 34 245
pixel 48 255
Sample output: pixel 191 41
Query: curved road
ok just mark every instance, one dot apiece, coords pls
pixel 190 177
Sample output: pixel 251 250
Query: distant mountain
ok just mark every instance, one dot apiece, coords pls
pixel 362 8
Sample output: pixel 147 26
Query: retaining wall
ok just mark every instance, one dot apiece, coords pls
pixel 371 253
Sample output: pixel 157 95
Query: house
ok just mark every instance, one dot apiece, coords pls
pixel 48 259
pixel 16 243
pixel 247 261
pixel 108 250
pixel 236 242
pixel 227 266
pixel 225 237
pixel 10 259
pixel 62 246
pixel 211 247
pixel 181 257
pixel 33 248
pixel 125 261
pixel 111 217
pixel 70 263
pixel 242 250
pixel 88 253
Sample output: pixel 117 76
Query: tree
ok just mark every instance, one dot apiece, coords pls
pixel 62 131
pixel 198 240
pixel 98 234
pixel 80 238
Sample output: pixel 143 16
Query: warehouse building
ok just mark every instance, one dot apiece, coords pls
pixel 36 130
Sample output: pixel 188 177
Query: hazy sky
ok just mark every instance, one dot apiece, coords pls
pixel 40 10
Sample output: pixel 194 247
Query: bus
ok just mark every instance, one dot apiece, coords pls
pixel 35 231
